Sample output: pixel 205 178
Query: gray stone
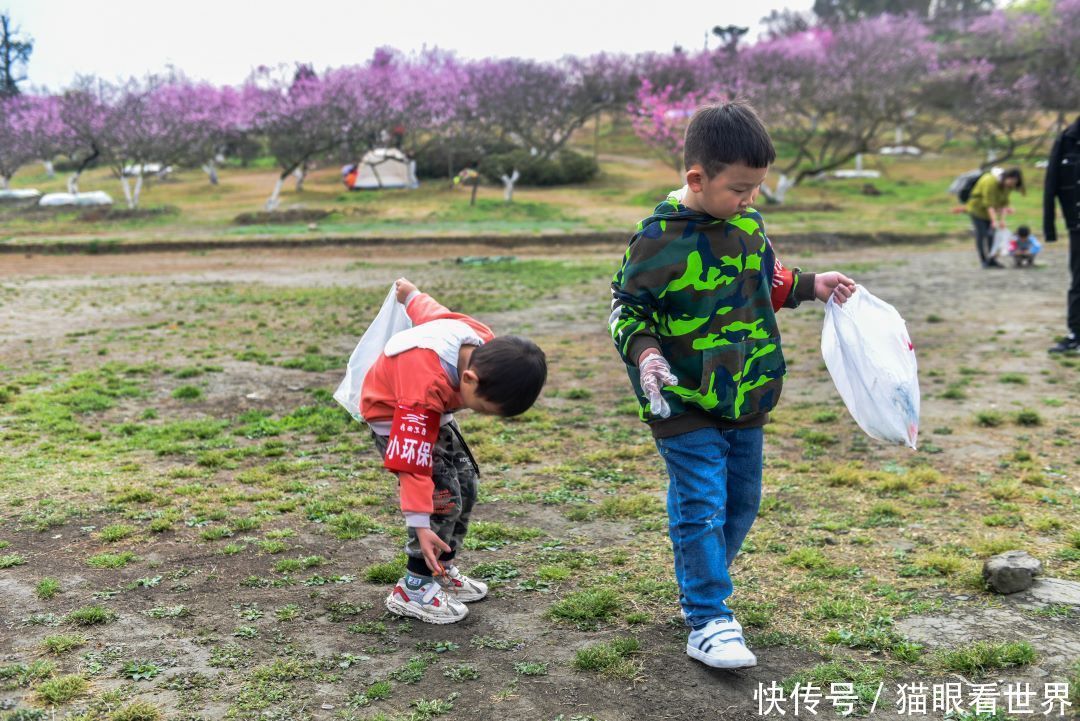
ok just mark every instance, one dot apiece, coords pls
pixel 1054 591
pixel 1011 571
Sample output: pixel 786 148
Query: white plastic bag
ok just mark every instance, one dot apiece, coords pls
pixel 871 359
pixel 390 319
pixel 1000 247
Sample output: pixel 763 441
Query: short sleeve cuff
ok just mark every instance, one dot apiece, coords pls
pixel 417 520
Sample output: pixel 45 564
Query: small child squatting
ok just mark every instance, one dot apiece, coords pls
pixel 446 362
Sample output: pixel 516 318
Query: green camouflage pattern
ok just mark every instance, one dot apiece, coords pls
pixel 702 288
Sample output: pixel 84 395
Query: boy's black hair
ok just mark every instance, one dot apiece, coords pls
pixel 725 134
pixel 1023 231
pixel 1015 173
pixel 511 371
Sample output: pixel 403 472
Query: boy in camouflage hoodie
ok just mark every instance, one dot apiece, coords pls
pixel 693 317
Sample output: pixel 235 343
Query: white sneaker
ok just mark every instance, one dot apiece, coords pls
pixel 429 603
pixel 460 587
pixel 720 644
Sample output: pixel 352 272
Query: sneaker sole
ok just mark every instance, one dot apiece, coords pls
pixel 712 662
pixel 396 607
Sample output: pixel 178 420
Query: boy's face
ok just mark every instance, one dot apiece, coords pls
pixel 473 400
pixel 727 193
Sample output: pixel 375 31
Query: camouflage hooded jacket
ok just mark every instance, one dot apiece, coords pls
pixel 705 291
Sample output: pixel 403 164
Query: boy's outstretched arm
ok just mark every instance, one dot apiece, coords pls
pixel 422 308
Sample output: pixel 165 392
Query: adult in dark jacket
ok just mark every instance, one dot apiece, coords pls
pixel 1063 184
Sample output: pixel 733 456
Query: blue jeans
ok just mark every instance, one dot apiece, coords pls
pixel 713 497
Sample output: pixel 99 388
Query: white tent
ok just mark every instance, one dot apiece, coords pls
pixel 382 168
pixel 97 197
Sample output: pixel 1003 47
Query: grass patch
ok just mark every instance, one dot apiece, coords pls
pixel 989 419
pixel 137 711
pixel 864 680
pixel 187 393
pixel 11 560
pixel 808 558
pixel 58 691
pixel 613 658
pixel 90 616
pixel 116 532
pixel 388 572
pixel 1028 417
pixel 586 608
pixel 981 656
pixel 62 643
pixel 110 560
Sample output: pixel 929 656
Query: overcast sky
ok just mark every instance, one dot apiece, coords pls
pixel 222 40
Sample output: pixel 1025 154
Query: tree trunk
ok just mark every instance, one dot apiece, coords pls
pixel 211 171
pixel 138 192
pixel 275 197
pixel 508 185
pixel 783 185
pixel 300 174
pixel 5 182
pixel 596 139
pixel 73 181
pixel 50 171
pixel 126 185
pixel 475 187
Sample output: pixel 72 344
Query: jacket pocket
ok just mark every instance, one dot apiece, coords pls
pixel 742 379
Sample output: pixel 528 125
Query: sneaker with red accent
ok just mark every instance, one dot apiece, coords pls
pixel 429 603
pixel 459 586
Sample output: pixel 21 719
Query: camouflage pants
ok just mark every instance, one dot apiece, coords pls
pixel 455 475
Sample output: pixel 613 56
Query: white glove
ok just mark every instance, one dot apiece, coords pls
pixel 655 374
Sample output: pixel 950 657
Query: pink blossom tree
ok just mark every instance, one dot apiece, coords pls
pixel 302 117
pixel 45 129
pixel 16 146
pixel 146 122
pixel 829 93
pixel 998 112
pixel 1005 68
pixel 83 118
pixel 660 116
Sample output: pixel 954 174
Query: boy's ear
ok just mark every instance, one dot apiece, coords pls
pixel 695 178
pixel 470 377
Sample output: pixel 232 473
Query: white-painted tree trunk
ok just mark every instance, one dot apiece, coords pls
pixel 508 185
pixel 783 185
pixel 49 169
pixel 5 182
pixel 73 184
pixel 858 162
pixel 126 185
pixel 899 136
pixel 138 192
pixel 300 174
pixel 275 197
pixel 210 169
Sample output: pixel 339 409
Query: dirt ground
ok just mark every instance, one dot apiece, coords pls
pixel 995 323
